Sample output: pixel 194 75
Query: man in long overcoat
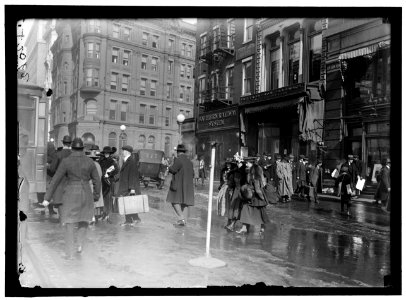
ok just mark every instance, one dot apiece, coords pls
pixel 77 201
pixel 384 186
pixel 314 175
pixel 284 173
pixel 60 155
pixel 293 167
pixel 181 190
pixel 301 176
pixel 129 182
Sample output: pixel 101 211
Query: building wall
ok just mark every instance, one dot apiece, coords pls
pixel 101 124
pixel 342 112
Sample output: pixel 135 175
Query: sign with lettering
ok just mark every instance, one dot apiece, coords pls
pixel 292 90
pixel 190 126
pixel 219 119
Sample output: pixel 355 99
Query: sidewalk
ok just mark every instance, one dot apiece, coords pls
pixel 322 197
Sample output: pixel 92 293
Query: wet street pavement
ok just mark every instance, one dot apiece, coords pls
pixel 305 245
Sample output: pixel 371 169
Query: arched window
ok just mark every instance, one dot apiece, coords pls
pixel 112 139
pixel 123 139
pixel 91 107
pixel 88 138
pixel 141 142
pixel 151 142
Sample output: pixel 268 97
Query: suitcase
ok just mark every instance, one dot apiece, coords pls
pixel 133 204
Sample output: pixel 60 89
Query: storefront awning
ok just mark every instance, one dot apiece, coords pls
pixel 364 51
pixel 277 105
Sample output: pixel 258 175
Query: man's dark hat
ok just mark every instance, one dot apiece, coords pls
pixel 77 143
pixel 181 148
pixel 319 162
pixel 301 156
pixel 114 149
pixel 94 147
pixel 278 156
pixel 350 156
pixel 67 139
pixel 107 149
pixel 306 158
pixel 128 148
pixel 291 156
pixel 355 155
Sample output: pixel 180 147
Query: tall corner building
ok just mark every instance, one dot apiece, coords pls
pixel 109 73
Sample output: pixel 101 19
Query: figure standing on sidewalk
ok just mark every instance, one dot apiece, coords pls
pixel 128 182
pixel 345 189
pixel 196 165
pixel 181 190
pixel 382 195
pixel 77 204
pixel 314 176
pixel 301 176
pixel 202 170
pixel 358 165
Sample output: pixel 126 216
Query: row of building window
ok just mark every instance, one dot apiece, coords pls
pixel 149 40
pixel 147 114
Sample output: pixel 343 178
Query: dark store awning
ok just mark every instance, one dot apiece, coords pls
pixel 277 105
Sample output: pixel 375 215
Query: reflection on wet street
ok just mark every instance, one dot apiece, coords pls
pixel 305 245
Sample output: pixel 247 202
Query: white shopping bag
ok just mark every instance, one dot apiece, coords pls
pixel 360 184
pixel 335 173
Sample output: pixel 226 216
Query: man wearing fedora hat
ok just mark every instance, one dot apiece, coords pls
pixel 128 182
pixel 107 163
pixel 60 155
pixel 77 205
pixel 181 190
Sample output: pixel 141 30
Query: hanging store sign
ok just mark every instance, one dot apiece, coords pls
pixel 244 52
pixel 292 90
pixel 218 120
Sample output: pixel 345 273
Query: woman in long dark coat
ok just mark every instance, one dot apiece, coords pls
pixel 181 190
pixel 253 210
pixel 233 198
pixel 77 201
pixel 107 162
pixel 383 189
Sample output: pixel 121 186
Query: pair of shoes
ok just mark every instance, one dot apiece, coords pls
pixel 242 231
pixel 180 223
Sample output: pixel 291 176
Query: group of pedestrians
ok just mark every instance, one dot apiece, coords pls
pixel 84 184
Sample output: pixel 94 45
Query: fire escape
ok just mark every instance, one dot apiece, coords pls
pixel 217 47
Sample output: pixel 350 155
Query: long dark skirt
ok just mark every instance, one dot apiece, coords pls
pixel 253 215
pixel 233 203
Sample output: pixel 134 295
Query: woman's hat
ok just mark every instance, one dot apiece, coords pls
pixel 181 148
pixel 67 139
pixel 77 143
pixel 107 149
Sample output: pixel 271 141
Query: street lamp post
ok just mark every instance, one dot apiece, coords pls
pixel 180 118
pixel 122 128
